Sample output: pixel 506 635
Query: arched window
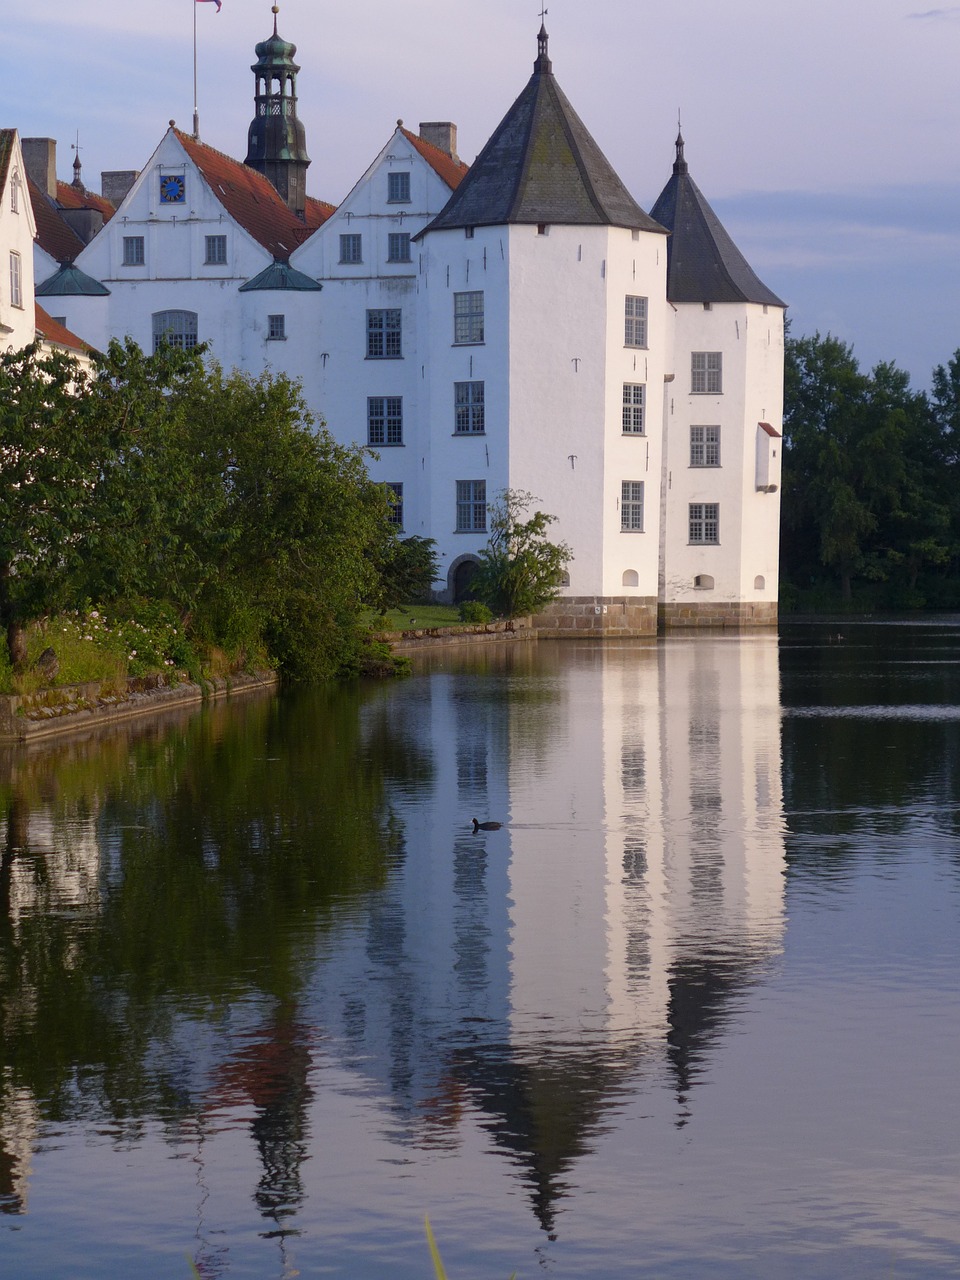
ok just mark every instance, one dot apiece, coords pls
pixel 703 582
pixel 179 328
pixel 630 578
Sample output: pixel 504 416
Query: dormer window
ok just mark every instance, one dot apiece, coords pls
pixel 398 188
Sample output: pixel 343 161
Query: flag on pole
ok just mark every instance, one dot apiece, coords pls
pixel 216 2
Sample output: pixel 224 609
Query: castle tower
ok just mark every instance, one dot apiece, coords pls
pixel 276 142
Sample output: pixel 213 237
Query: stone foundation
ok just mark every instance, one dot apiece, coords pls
pixel 603 617
pixel 735 614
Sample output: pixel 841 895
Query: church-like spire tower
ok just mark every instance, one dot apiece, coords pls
pixel 276 142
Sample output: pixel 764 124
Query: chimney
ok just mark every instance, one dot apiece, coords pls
pixel 441 134
pixel 84 223
pixel 115 184
pixel 40 157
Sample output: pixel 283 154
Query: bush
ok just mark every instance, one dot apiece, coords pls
pixel 475 611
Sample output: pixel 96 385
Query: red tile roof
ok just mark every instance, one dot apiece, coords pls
pixel 253 201
pixel 71 197
pixel 451 171
pixel 57 333
pixel 53 235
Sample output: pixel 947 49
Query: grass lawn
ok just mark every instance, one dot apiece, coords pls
pixel 415 616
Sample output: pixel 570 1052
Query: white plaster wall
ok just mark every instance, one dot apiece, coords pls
pixel 17 229
pixel 751 341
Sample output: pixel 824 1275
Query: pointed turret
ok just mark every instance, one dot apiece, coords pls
pixel 542 166
pixel 276 142
pixel 703 263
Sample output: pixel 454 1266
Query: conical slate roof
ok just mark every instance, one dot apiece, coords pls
pixel 70 281
pixel 703 263
pixel 542 165
pixel 280 275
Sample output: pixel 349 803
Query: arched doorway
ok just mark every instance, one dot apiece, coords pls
pixel 461 576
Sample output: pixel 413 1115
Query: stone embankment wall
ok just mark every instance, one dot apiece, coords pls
pixel 464 633
pixel 27 717
pixel 602 616
pixel 735 613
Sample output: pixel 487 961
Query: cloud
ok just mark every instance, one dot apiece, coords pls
pixel 937 15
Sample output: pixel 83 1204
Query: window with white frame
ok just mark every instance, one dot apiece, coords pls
pixel 706 373
pixel 704 521
pixel 277 328
pixel 468 409
pixel 16 280
pixel 384 334
pixel 635 322
pixel 216 251
pixel 133 252
pixel 178 328
pixel 351 248
pixel 471 506
pixel 704 446
pixel 398 188
pixel 396 507
pixel 631 506
pixel 468 317
pixel 634 401
pixel 398 246
pixel 384 420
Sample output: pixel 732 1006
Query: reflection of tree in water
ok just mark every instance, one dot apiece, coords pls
pixel 224 842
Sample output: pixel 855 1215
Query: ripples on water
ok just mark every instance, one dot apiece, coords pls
pixel 267 999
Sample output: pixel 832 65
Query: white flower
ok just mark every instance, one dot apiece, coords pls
pixel 133 653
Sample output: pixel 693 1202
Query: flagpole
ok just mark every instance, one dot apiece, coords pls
pixel 196 113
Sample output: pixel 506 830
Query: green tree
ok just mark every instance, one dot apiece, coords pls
pixel 406 572
pixel 520 569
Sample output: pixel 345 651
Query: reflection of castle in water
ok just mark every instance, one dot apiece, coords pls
pixel 537 974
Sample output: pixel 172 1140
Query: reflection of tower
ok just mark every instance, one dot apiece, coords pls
pixel 272 1072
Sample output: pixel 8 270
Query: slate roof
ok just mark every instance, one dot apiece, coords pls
pixel 71 282
pixel 53 235
pixel 280 275
pixel 53 331
pixel 703 263
pixel 451 171
pixel 542 165
pixel 253 201
pixel 6 149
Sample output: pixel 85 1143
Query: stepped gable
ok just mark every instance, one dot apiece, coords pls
pixel 703 263
pixel 253 201
pixel 53 235
pixel 58 334
pixel 542 165
pixel 451 171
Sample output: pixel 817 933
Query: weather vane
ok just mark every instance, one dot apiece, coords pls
pixel 543 13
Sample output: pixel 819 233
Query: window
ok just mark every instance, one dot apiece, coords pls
pixel 706 373
pixel 133 255
pixel 704 521
pixel 396 510
pixel 16 281
pixel 385 420
pixel 276 328
pixel 398 188
pixel 383 335
pixel 471 506
pixel 178 328
pixel 216 251
pixel 398 246
pixel 704 446
pixel 634 395
pixel 631 505
pixel 468 400
pixel 351 248
pixel 468 316
pixel 15 194
pixel 635 322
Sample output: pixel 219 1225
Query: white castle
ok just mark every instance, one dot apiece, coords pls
pixel 518 324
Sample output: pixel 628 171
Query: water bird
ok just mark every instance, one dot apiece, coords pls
pixel 486 826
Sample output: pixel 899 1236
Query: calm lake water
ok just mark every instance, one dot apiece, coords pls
pixel 693 1011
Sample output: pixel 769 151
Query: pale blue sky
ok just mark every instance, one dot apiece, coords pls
pixel 826 137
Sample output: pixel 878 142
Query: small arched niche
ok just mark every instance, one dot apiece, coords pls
pixel 703 582
pixel 564 579
pixel 759 582
pixel 630 578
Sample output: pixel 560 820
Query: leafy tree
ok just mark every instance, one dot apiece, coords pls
pixel 407 571
pixel 520 569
